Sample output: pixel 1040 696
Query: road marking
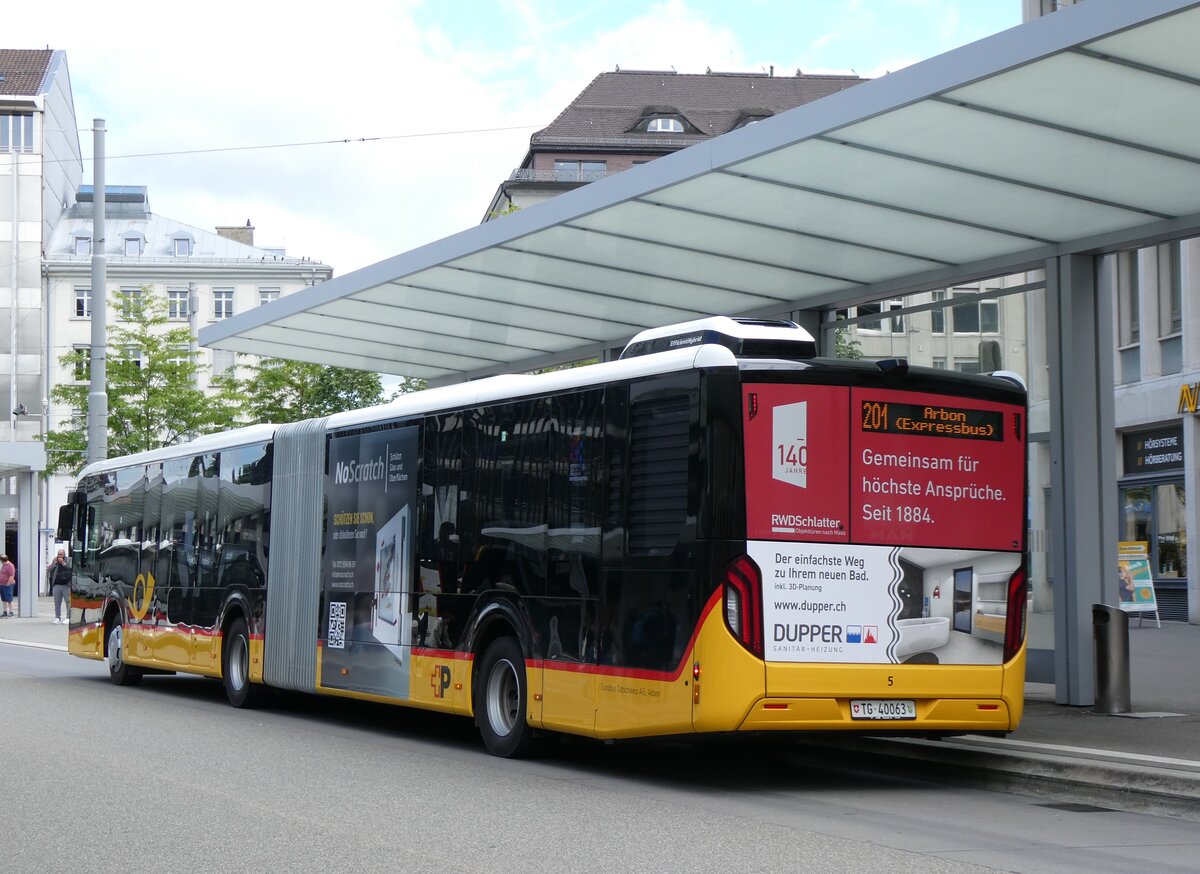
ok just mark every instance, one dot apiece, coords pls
pixel 1079 751
pixel 53 646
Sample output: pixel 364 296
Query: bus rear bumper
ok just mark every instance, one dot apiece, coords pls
pixel 940 715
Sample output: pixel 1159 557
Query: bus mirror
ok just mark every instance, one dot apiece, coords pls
pixel 66 518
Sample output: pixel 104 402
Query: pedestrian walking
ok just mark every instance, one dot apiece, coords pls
pixel 8 580
pixel 58 572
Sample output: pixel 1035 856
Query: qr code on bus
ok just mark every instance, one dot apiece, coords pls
pixel 336 637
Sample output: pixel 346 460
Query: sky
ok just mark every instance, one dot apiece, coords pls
pixel 352 132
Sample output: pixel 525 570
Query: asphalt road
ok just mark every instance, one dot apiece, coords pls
pixel 167 776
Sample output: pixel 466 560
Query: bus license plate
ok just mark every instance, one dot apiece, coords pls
pixel 877 708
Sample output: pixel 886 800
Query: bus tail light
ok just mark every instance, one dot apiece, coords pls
pixel 743 603
pixel 1014 621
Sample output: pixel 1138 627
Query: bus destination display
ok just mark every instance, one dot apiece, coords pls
pixel 931 420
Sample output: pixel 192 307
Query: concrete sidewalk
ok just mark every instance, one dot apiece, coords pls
pixel 1147 759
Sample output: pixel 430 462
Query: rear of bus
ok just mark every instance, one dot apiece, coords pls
pixel 882 583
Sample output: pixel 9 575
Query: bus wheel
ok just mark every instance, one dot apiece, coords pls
pixel 501 700
pixel 120 671
pixel 235 667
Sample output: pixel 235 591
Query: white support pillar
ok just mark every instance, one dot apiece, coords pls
pixel 1083 515
pixel 27 543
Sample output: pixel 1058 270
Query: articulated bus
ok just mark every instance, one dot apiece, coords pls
pixel 717 532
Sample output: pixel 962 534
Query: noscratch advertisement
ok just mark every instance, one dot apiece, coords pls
pixel 368 563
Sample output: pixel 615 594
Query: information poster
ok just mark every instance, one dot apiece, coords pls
pixel 368 561
pixel 1135 585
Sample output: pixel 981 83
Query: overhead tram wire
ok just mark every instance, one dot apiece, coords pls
pixel 335 142
pixel 344 141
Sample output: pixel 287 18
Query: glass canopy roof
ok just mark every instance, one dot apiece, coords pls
pixel 1076 132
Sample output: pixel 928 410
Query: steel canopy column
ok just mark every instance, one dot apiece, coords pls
pixel 1083 519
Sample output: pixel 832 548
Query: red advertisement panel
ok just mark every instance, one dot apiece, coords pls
pixel 883 467
pixel 797 462
pixel 936 471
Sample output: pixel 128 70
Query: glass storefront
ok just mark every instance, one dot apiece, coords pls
pixel 1153 506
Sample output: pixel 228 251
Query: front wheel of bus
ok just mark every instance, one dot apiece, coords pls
pixel 501 700
pixel 120 671
pixel 235 667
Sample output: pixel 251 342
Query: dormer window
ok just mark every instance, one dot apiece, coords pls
pixel 83 244
pixel 663 120
pixel 751 118
pixel 664 124
pixel 182 244
pixel 135 244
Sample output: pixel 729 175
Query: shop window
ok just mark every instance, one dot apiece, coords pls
pixel 1156 515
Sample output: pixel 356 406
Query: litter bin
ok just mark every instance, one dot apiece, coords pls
pixel 1110 627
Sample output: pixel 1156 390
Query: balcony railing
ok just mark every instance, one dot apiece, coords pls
pixel 522 174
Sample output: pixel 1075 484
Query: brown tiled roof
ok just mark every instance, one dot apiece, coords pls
pixel 608 108
pixel 24 71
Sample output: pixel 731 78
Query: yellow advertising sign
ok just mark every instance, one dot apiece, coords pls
pixel 1135 590
pixel 1189 398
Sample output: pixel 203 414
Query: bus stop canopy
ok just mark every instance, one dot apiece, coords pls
pixel 1077 132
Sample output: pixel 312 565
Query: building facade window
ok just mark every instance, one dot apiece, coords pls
pixel 222 362
pixel 131 355
pixel 177 303
pixel 1170 307
pixel 83 303
pixel 130 299
pixel 267 295
pixel 883 325
pixel 16 131
pixel 81 363
pixel 974 316
pixel 1170 289
pixel 578 171
pixel 222 303
pixel 1128 309
pixel 937 315
pixel 180 353
pixel 1129 323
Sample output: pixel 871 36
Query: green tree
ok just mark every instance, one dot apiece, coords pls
pixel 279 391
pixel 151 375
pixel 845 345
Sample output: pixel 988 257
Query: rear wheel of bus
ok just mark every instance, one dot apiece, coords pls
pixel 235 666
pixel 119 671
pixel 502 700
